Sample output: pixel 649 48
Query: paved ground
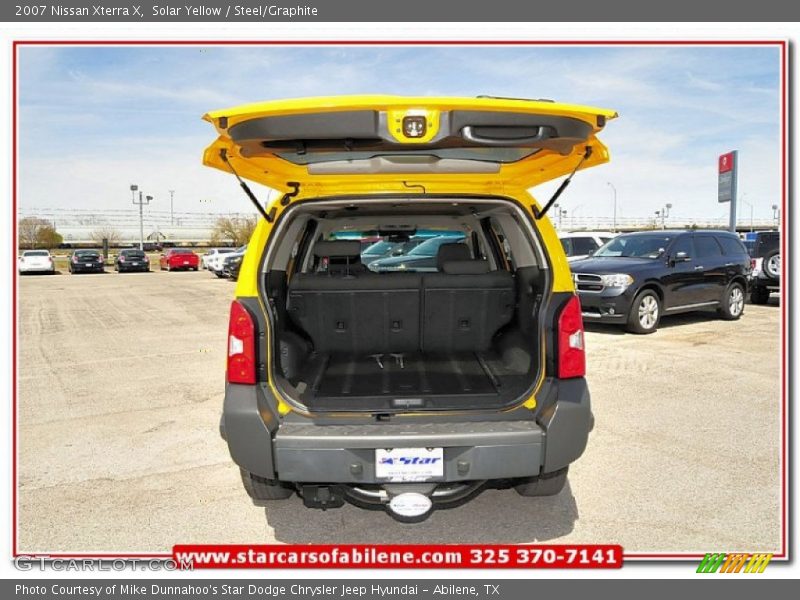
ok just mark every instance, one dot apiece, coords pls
pixel 120 388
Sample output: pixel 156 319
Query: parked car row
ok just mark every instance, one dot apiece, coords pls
pixel 92 261
pixel 221 261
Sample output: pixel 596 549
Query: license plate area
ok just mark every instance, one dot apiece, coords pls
pixel 409 464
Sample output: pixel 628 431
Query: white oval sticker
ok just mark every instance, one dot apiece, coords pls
pixel 410 504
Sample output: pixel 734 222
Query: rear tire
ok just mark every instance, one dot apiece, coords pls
pixel 772 264
pixel 548 484
pixel 759 295
pixel 262 490
pixel 645 313
pixel 733 302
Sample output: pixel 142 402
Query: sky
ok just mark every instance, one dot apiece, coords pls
pixel 94 120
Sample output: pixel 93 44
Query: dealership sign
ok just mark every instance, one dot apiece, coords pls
pixel 726 187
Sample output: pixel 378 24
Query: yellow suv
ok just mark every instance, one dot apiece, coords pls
pixel 405 331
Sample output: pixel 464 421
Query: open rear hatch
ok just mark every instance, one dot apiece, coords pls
pixel 354 142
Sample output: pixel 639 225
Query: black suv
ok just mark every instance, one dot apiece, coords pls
pixel 766 265
pixel 636 277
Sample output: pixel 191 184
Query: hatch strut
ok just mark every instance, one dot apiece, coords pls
pixel 540 213
pixel 223 154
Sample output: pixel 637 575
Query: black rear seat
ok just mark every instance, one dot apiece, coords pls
pixel 351 310
pixel 464 306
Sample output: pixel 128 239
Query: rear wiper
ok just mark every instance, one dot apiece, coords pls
pixel 540 213
pixel 223 154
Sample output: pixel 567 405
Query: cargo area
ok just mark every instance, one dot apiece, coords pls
pixel 376 315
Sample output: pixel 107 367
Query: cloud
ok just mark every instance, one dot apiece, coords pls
pixel 93 119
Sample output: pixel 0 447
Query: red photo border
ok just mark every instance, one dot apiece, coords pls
pixel 784 110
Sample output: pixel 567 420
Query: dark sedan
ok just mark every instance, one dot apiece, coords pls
pixel 418 259
pixel 132 260
pixel 86 261
pixel 231 265
pixel 636 278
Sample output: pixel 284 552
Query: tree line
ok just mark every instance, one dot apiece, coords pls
pixel 37 233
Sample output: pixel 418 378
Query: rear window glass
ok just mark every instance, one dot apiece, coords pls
pixel 731 245
pixel 132 253
pixel 36 253
pixel 87 253
pixel 767 242
pixel 407 253
pixel 706 246
pixel 583 245
pixel 181 251
pixel 494 155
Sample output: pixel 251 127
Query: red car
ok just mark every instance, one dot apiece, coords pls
pixel 179 258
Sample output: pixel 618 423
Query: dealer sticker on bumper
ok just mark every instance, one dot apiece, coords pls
pixel 409 464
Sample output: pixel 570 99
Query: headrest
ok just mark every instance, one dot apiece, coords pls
pixel 450 252
pixel 338 249
pixel 466 267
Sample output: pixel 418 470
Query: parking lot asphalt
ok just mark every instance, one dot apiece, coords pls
pixel 120 390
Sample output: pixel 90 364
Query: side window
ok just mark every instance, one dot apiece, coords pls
pixel 707 247
pixel 731 245
pixel 503 243
pixel 683 244
pixel 567 245
pixel 583 245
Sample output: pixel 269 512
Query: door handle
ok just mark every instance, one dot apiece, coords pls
pixel 698 268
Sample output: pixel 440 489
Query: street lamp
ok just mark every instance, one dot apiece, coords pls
pixel 557 208
pixel 615 205
pixel 664 212
pixel 775 213
pixel 171 214
pixel 574 213
pixel 741 199
pixel 141 202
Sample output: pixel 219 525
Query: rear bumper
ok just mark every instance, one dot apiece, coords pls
pixel 79 268
pixel 300 451
pixel 762 281
pixel 29 269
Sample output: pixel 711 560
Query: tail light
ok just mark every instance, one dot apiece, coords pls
pixel 241 346
pixel 571 349
pixel 75 259
pixel 121 259
pixel 752 263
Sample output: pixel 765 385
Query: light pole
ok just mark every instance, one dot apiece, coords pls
pixel 574 213
pixel 171 213
pixel 664 212
pixel 741 199
pixel 615 205
pixel 557 208
pixel 141 202
pixel 775 213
